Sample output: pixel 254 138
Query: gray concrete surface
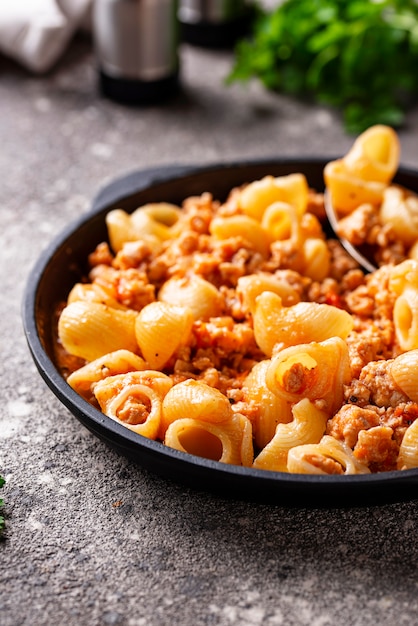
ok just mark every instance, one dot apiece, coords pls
pixel 92 539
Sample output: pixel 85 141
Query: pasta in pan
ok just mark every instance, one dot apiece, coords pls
pixel 236 330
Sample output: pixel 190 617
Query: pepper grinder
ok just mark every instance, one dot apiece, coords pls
pixel 215 23
pixel 136 44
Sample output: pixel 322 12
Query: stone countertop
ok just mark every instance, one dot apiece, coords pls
pixel 92 539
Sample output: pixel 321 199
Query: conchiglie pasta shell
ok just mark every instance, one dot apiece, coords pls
pixel 347 192
pixel 308 426
pixel 408 450
pixel 197 400
pixel 306 459
pixel 404 371
pixel 271 409
pixel 227 442
pixel 375 154
pixel 160 329
pixel 304 322
pixel 90 329
pixel 118 362
pixel 242 226
pixel 199 295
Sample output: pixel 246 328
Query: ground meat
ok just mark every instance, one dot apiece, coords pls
pixel 383 389
pixel 359 226
pixel 400 418
pixel 101 255
pixel 349 421
pixel 129 287
pixel 327 465
pixel 369 342
pixel 132 255
pixel 377 449
pixel 341 262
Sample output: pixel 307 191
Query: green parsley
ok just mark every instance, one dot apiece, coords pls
pixel 360 56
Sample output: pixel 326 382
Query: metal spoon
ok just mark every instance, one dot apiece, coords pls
pixel 365 263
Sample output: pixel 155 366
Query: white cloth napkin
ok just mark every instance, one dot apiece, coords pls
pixel 35 33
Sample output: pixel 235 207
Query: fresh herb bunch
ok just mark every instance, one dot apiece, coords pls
pixel 1 504
pixel 360 56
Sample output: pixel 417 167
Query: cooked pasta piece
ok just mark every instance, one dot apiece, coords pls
pixel 134 400
pixel 194 292
pixel 242 226
pixel 375 154
pixel 404 282
pixel 308 426
pixel 329 456
pixel 227 442
pixel 278 326
pixel 251 286
pixel 118 362
pixel 317 258
pixel 91 329
pixel 258 195
pixel 404 371
pixel 278 220
pixel 92 292
pixel 317 371
pixel 347 192
pixel 197 400
pixel 160 329
pixel 271 409
pixel 399 209
pixel 408 450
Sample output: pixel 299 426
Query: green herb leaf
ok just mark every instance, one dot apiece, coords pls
pixel 356 55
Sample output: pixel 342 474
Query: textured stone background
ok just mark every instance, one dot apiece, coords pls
pixel 92 539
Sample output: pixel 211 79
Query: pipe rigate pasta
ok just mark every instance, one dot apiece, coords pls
pixel 408 450
pixel 271 408
pixel 374 155
pixel 256 197
pixel 92 329
pixel 160 329
pixel 83 379
pixel 308 426
pixel 277 325
pixel 229 441
pixel 194 292
pixel 317 371
pixel 134 400
pixel 197 400
pixel 329 456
